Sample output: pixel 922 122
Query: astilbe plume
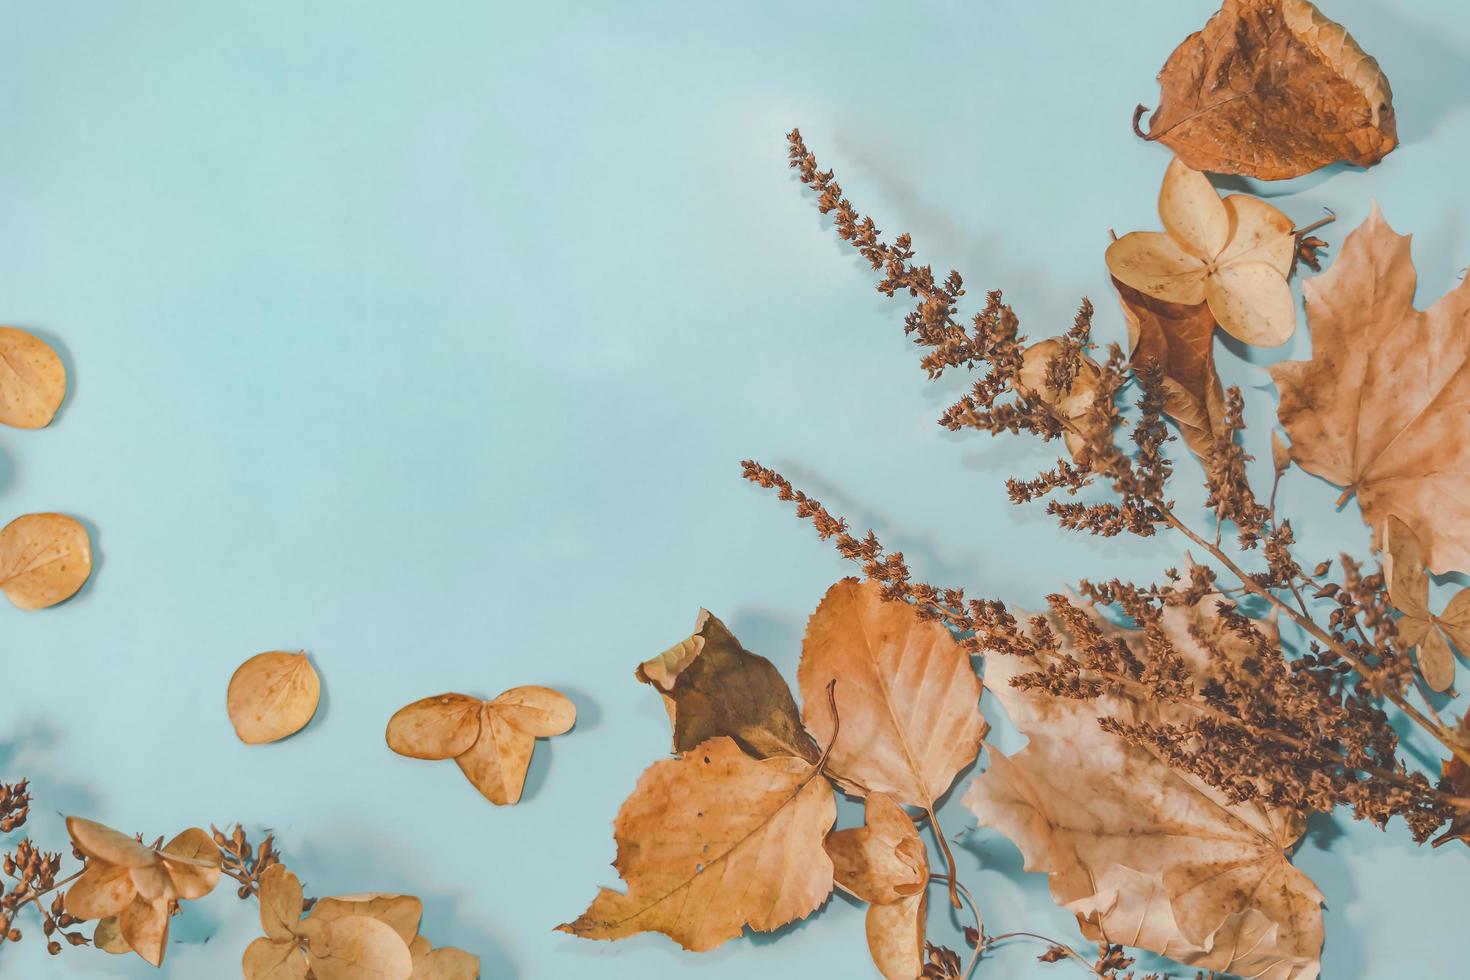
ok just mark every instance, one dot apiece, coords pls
pixel 1303 731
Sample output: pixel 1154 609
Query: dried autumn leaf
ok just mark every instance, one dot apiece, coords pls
pixel 1142 853
pixel 1380 407
pixel 1233 255
pixel 711 685
pixel 1180 340
pixel 885 864
pixel 1073 405
pixel 907 697
pixel 714 841
pixel 1408 590
pixel 108 937
pixel 355 947
pixel 32 380
pixel 1273 89
pixel 401 913
pixel 492 741
pixel 444 963
pixel 272 695
pixel 44 559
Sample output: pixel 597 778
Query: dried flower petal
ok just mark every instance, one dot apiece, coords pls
pixel 272 695
pixel 32 380
pixel 440 727
pixel 44 559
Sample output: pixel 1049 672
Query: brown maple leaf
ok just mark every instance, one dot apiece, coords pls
pixel 1273 89
pixel 1381 408
pixel 712 685
pixel 1142 853
pixel 715 841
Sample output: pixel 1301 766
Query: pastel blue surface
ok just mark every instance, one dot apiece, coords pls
pixel 427 338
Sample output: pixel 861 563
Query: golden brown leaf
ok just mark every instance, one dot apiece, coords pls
pixel 1273 89
pixel 355 947
pixel 32 380
pixel 44 559
pixel 444 963
pixel 1408 590
pixel 715 841
pixel 265 959
pixel 401 913
pixel 1233 255
pixel 108 937
pixel 885 864
pixel 712 685
pixel 1380 407
pixel 272 695
pixel 1142 853
pixel 907 697
pixel 1180 339
pixel 492 741
pixel 281 903
pixel 144 926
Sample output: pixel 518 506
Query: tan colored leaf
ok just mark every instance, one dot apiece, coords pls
pixel 32 380
pixel 1408 590
pixel 1273 89
pixel 1436 662
pixel 101 842
pixel 1233 255
pixel 101 892
pixel 272 695
pixel 1180 339
pixel 355 947
pixel 144 927
pixel 1380 407
pixel 401 913
pixel 1145 854
pixel 538 711
pixel 492 741
pixel 711 685
pixel 44 559
pixel 268 960
pixel 281 903
pixel 885 864
pixel 108 937
pixel 907 697
pixel 444 963
pixel 440 727
pixel 193 864
pixel 715 841
pixel 1455 620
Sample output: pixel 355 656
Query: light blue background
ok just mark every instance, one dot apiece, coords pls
pixel 427 337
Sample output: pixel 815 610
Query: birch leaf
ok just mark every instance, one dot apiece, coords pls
pixel 1380 407
pixel 907 697
pixel 44 559
pixel 885 864
pixel 714 841
pixel 711 685
pixel 272 695
pixel 32 380
pixel 1273 89
pixel 1142 853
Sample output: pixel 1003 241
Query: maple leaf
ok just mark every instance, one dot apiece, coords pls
pixel 711 686
pixel 1144 854
pixel 1232 254
pixel 714 841
pixel 885 864
pixel 1408 590
pixel 1273 89
pixel 1380 409
pixel 1180 339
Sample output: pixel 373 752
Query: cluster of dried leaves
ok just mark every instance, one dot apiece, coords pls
pixel 1176 743
pixel 132 890
pixel 44 558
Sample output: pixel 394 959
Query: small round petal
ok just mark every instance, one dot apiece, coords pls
pixel 1436 662
pixel 44 559
pixel 280 903
pixel 401 913
pixel 1153 263
pixel 1193 213
pixel 103 890
pixel 356 948
pixel 538 711
pixel 105 844
pixel 440 727
pixel 193 863
pixel 496 764
pixel 1252 302
pixel 1258 233
pixel 1408 582
pixel 1455 620
pixel 144 926
pixel 272 695
pixel 445 963
pixel 108 937
pixel 267 960
pixel 32 380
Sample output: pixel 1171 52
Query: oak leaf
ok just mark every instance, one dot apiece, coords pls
pixel 1273 89
pixel 136 883
pixel 1180 339
pixel 272 695
pixel 711 685
pixel 1144 854
pixel 714 841
pixel 44 559
pixel 907 696
pixel 885 864
pixel 1233 255
pixel 1380 407
pixel 1408 590
pixel 492 741
pixel 32 380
